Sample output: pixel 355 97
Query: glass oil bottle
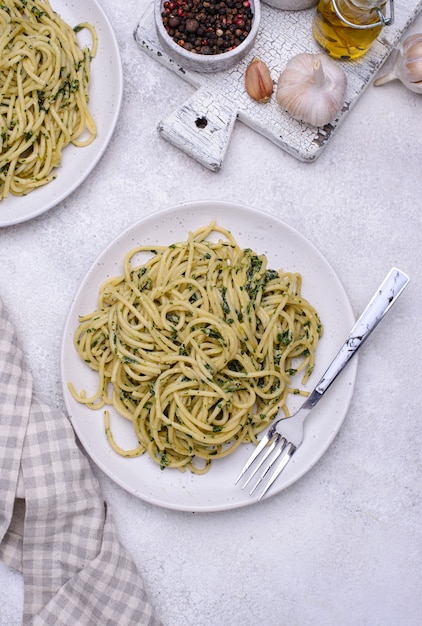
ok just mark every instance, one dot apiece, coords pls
pixel 346 29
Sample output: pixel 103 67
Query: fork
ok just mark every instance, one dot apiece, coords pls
pixel 282 439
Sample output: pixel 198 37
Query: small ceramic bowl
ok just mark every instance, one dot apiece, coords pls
pixel 291 5
pixel 206 62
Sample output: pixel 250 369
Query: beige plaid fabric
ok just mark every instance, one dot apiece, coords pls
pixel 60 534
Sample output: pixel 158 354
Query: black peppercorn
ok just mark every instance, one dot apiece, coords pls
pixel 191 26
pixel 207 26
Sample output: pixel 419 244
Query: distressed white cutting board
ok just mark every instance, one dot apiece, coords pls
pixel 202 125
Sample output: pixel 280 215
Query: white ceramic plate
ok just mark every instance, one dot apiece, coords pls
pixel 285 248
pixel 105 94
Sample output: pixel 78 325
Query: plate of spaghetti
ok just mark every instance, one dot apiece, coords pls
pixel 189 334
pixel 61 90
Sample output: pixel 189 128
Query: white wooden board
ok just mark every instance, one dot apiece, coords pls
pixel 202 125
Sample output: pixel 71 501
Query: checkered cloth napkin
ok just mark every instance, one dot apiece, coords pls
pixel 55 526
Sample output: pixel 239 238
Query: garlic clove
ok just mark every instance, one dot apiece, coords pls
pixel 411 57
pixel 258 82
pixel 312 88
pixel 412 70
pixel 412 45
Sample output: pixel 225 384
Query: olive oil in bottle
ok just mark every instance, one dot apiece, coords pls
pixel 337 37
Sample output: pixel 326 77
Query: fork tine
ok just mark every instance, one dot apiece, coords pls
pixel 289 449
pixel 281 444
pixel 265 439
pixel 261 461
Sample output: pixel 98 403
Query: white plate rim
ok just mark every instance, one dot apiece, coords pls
pixel 335 404
pixel 106 68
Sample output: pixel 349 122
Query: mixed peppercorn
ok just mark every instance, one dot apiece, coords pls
pixel 207 26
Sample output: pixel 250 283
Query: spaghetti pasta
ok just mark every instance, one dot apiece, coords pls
pixel 197 346
pixel 44 79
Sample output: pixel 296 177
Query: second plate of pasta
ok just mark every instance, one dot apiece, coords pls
pixel 58 128
pixel 197 393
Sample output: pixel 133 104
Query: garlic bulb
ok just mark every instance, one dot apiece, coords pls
pixel 312 88
pixel 407 65
pixel 258 81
